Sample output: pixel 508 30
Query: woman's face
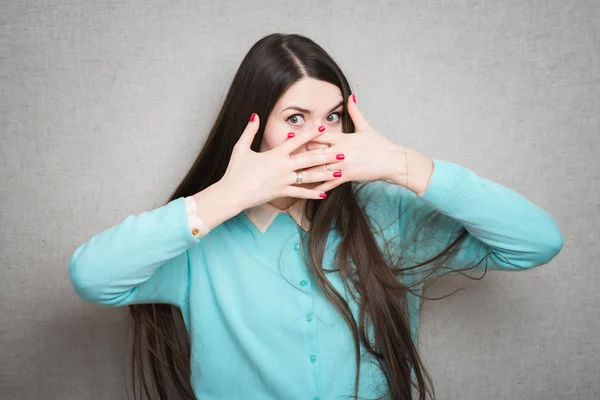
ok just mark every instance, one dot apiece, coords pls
pixel 307 104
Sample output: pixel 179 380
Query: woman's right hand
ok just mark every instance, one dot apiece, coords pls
pixel 264 176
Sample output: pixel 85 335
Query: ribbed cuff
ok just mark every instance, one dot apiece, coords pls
pixel 175 229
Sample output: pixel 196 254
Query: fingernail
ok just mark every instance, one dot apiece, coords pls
pixel 337 174
pixel 354 98
pixel 340 157
pixel 252 117
pixel 321 128
pixel 291 135
pixel 322 195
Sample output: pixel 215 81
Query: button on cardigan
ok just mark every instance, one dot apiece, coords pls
pixel 259 326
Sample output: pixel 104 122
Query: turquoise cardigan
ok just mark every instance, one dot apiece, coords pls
pixel 259 327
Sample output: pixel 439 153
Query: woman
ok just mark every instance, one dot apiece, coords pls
pixel 293 254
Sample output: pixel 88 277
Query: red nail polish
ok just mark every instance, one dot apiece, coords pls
pixel 340 157
pixel 252 117
pixel 354 98
pixel 321 128
pixel 291 135
pixel 337 174
pixel 322 195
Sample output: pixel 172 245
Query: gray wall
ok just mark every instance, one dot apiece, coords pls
pixel 106 104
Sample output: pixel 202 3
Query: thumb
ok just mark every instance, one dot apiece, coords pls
pixel 245 140
pixel 360 122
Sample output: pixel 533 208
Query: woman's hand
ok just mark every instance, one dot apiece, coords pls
pixel 264 176
pixel 369 156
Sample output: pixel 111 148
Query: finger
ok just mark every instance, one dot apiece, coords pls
pixel 329 185
pixel 316 157
pixel 245 140
pixel 300 139
pixel 304 193
pixel 329 167
pixel 328 138
pixel 320 150
pixel 313 175
pixel 360 122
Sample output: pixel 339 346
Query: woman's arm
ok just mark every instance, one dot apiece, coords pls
pixel 516 232
pixel 499 220
pixel 144 259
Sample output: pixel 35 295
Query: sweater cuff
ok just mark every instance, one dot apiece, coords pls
pixel 174 226
pixel 197 226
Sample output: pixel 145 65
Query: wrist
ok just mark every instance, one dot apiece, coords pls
pixel 231 196
pixel 413 170
pixel 218 203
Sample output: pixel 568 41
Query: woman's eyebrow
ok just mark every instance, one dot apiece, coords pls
pixel 305 111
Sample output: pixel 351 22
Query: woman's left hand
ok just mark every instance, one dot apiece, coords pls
pixel 369 156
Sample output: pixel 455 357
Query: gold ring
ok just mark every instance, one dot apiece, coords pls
pixel 298 178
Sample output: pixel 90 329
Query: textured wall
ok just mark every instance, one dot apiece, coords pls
pixel 106 103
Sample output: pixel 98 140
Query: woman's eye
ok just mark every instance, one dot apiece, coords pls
pixel 293 118
pixel 339 116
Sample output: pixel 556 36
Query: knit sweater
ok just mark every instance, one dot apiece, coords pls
pixel 259 327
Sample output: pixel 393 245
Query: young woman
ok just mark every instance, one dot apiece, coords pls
pixel 290 261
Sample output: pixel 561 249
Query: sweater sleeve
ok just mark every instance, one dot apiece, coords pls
pixel 143 259
pixel 513 232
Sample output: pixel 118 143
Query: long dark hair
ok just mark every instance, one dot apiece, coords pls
pixel 271 66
